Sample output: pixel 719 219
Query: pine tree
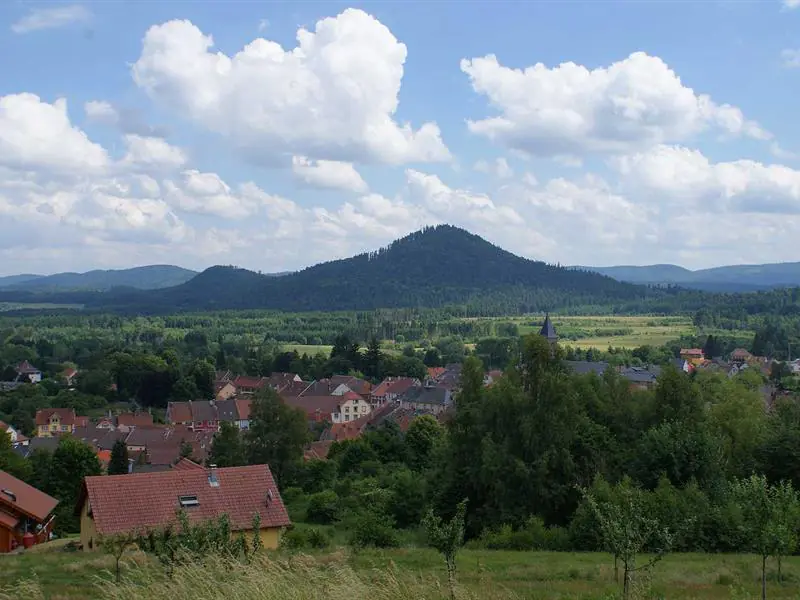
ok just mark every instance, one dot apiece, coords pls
pixel 118 465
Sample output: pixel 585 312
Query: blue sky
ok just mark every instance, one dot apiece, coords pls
pixel 126 138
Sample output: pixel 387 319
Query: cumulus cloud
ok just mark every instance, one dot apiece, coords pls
pixel 571 110
pixel 52 18
pixel 332 97
pixel 153 152
pixel 791 3
pixel 39 135
pixel 499 168
pixel 127 120
pixel 684 175
pixel 328 174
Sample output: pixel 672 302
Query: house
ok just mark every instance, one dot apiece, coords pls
pixel 127 421
pixel 224 390
pixel 142 502
pixel 741 356
pixel 27 373
pixel 354 384
pixel 227 411
pixel 69 376
pixel 200 415
pixel 351 407
pixel 279 381
pixel 450 379
pixel 694 355
pixel 249 385
pixel 641 378
pixel 243 413
pixel 391 388
pixel 584 367
pixel 57 421
pixel 428 399
pixel 25 512
pixel 48 444
pixel 16 437
pixel 324 387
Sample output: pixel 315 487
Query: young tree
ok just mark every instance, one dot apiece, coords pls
pixel 115 545
pixel 10 461
pixel 447 538
pixel 626 529
pixel 770 519
pixel 227 449
pixel 277 434
pixel 118 465
pixel 423 434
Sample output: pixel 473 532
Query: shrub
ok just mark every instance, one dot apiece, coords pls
pixel 533 536
pixel 323 507
pixel 294 539
pixel 318 539
pixel 370 529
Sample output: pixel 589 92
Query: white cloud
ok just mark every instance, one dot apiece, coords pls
pixel 52 18
pixel 38 135
pixel 101 112
pixel 208 194
pixel 498 168
pixel 571 110
pixel 263 24
pixel 153 153
pixel 332 97
pixel 791 3
pixel 791 58
pixel 328 174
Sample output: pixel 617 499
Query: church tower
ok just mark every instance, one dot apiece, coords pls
pixel 548 331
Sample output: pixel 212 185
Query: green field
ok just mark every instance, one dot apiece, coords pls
pixel 401 573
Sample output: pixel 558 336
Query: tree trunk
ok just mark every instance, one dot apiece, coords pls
pixel 763 578
pixel 780 576
pixel 626 584
pixel 616 569
pixel 451 576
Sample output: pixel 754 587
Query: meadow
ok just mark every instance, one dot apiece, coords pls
pixel 388 574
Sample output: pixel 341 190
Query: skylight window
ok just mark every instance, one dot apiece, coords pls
pixel 188 501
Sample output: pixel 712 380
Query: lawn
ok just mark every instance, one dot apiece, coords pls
pixel 409 572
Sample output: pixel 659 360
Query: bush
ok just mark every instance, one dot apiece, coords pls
pixel 533 536
pixel 323 507
pixel 294 539
pixel 369 529
pixel 318 539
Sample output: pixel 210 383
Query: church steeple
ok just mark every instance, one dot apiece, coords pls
pixel 548 331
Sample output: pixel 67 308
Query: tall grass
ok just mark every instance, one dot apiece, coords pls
pixel 298 578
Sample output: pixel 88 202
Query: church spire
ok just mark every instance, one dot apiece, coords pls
pixel 548 331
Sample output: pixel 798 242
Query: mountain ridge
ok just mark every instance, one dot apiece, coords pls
pixel 723 278
pixel 145 277
pixel 433 267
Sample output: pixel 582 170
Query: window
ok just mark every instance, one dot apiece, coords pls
pixel 188 501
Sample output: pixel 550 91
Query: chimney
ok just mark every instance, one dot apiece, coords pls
pixel 130 466
pixel 212 476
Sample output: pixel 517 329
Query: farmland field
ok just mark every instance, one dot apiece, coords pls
pixel 400 573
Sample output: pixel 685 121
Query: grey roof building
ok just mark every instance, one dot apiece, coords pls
pixel 582 367
pixel 548 331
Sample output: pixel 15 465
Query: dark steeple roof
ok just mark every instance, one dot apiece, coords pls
pixel 548 331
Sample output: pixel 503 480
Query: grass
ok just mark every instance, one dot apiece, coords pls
pixel 406 573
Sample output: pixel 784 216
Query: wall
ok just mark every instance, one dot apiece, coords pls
pixel 270 537
pixel 88 528
pixel 5 540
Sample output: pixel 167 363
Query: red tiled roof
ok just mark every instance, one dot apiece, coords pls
pixel 141 419
pixel 66 416
pixel 243 381
pixel 25 367
pixel 295 388
pixel 69 373
pixel 81 421
pixel 315 406
pixel 243 409
pixel 383 387
pixel 29 501
pixel 317 450
pixel 692 351
pixel 401 385
pixel 179 412
pixel 351 396
pixel 349 430
pixel 186 464
pixel 146 501
pixel 434 372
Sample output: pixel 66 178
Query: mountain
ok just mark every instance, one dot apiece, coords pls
pixel 435 267
pixel 734 278
pixel 12 280
pixel 144 278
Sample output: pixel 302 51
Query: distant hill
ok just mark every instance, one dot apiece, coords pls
pixel 734 278
pixel 143 278
pixel 11 280
pixel 435 267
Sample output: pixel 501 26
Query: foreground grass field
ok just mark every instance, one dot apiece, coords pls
pixel 393 574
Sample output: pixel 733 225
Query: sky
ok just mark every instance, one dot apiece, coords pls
pixel 273 135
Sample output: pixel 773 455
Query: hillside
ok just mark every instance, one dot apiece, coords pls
pixel 734 278
pixel 144 278
pixel 430 268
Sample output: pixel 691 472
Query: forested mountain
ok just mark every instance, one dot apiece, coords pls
pixel 144 278
pixel 734 278
pixel 434 267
